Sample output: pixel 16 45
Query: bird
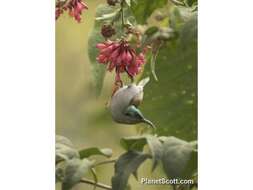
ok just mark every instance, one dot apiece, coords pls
pixel 124 104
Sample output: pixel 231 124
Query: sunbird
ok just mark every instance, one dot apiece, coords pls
pixel 124 104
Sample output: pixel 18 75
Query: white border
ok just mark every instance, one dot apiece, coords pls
pixel 225 94
pixel 27 94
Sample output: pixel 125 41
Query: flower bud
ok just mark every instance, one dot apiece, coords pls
pixel 107 31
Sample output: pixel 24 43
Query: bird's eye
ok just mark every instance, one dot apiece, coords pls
pixel 128 114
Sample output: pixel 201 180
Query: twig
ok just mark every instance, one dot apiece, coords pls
pixel 101 185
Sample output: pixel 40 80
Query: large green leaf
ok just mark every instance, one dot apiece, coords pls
pixel 137 143
pixel 155 147
pixel 74 171
pixel 142 9
pixel 85 153
pixel 126 165
pixel 171 103
pixel 179 158
pixel 178 16
pixel 133 143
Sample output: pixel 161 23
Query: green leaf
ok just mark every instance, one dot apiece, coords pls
pixel 108 16
pixel 98 70
pixel 151 30
pixel 137 143
pixel 128 2
pixel 133 143
pixel 192 165
pixel 126 165
pixel 74 171
pixel 171 103
pixel 191 2
pixel 188 33
pixel 142 9
pixel 156 149
pixel 179 158
pixel 85 153
pixel 179 16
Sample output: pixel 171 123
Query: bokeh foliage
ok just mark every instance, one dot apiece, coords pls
pixel 172 101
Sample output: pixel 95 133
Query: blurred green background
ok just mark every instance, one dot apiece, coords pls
pixel 84 119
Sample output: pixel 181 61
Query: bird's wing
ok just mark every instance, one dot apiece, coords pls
pixel 123 97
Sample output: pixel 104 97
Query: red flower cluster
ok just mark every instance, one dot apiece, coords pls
pixel 119 55
pixel 75 8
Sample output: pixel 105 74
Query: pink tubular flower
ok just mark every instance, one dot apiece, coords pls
pixel 75 8
pixel 119 55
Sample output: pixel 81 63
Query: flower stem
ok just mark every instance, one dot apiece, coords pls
pixel 101 185
pixel 122 14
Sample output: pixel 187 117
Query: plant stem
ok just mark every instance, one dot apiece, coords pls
pixel 101 185
pixel 105 162
pixel 122 14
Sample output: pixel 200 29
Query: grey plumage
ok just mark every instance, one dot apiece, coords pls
pixel 124 104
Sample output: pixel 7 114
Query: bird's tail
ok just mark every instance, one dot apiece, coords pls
pixel 143 82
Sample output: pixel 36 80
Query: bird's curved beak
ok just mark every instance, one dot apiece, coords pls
pixel 149 123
